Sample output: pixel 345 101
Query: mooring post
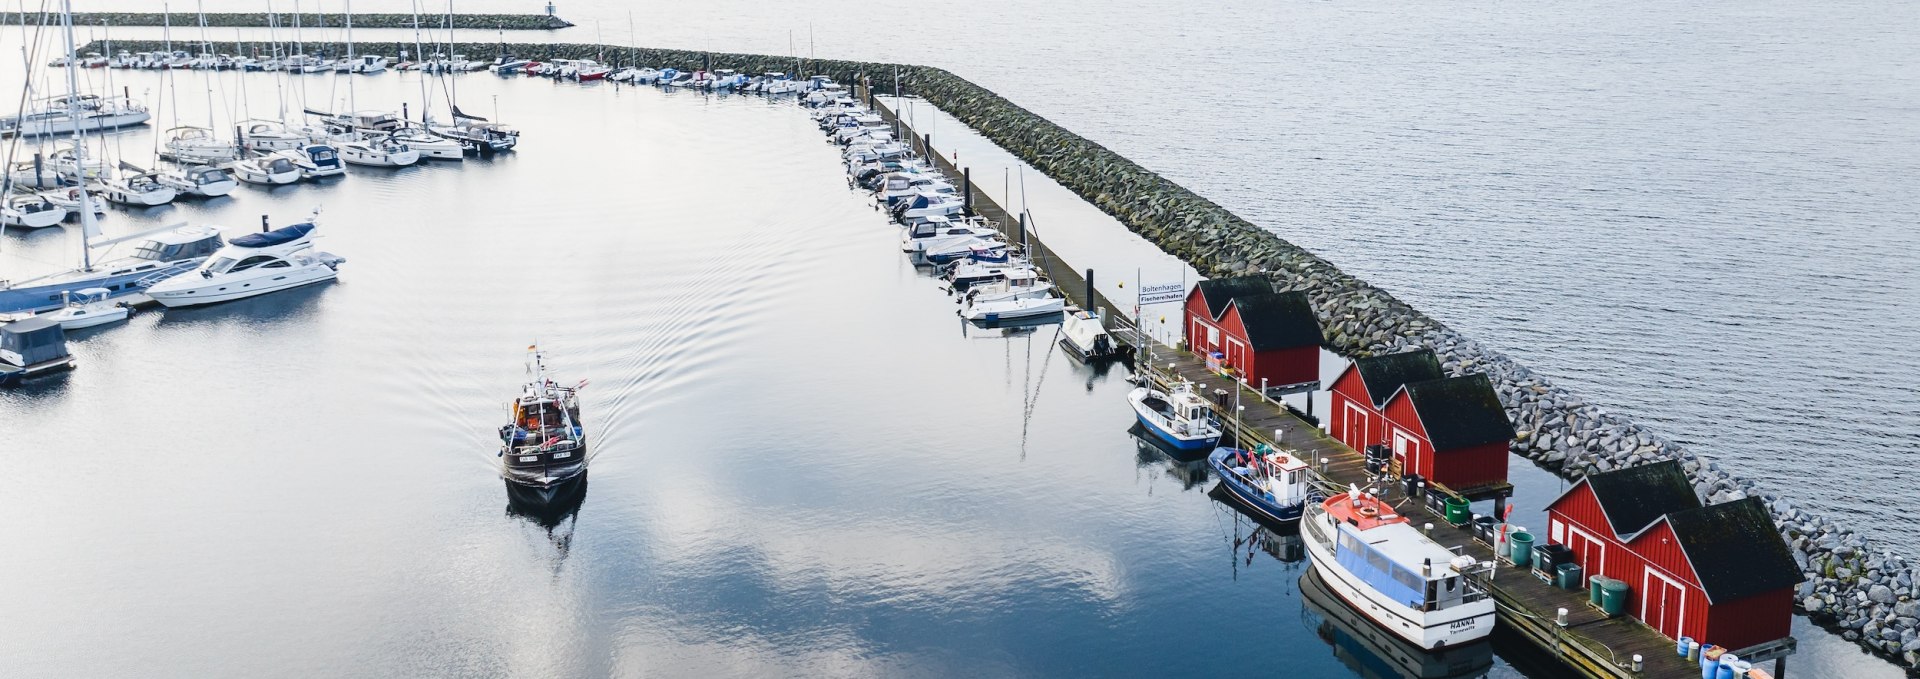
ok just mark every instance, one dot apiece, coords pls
pixel 1018 220
pixel 966 179
pixel 1089 300
pixel 926 144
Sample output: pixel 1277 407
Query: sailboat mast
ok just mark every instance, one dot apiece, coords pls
pixel 88 228
pixel 352 103
pixel 419 54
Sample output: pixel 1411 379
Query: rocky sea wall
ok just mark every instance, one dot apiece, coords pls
pixel 1866 593
pixel 518 22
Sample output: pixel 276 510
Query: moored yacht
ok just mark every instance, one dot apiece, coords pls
pixel 1085 336
pixel 430 145
pixel 1374 560
pixel 269 135
pixel 379 151
pixel 89 307
pixel 197 145
pixel 545 444
pixel 162 253
pixel 139 190
pixel 254 264
pixel 203 181
pixel 316 161
pixel 1025 296
pixel 1177 417
pixel 31 211
pixel 272 169
pixel 88 112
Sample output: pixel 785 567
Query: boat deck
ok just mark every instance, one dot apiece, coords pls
pixel 1591 643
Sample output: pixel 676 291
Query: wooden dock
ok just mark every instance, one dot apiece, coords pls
pixel 1590 643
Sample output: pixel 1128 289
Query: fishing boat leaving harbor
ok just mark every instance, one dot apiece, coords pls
pixel 1178 417
pixel 544 446
pixel 1273 484
pixel 1373 558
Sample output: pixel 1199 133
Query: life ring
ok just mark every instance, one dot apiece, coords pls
pixel 1369 512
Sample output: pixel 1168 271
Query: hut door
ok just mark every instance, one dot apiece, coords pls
pixel 1663 604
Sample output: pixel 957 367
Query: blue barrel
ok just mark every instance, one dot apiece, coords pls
pixel 1683 642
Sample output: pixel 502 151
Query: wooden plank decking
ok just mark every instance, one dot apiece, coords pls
pixel 1591 643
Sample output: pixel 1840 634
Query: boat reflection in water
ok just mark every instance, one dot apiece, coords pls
pixel 1374 653
pixel 1187 467
pixel 554 509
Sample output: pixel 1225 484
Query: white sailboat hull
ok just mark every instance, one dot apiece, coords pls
pixel 37 127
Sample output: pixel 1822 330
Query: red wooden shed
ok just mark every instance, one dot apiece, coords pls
pixel 1452 431
pixel 1359 394
pixel 1718 573
pixel 1261 334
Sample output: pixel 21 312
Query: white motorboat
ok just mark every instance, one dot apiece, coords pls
pixel 1381 566
pixel 88 307
pixel 379 151
pixel 88 112
pixel 1178 416
pixel 1084 335
pixel 938 231
pixel 431 145
pixel 269 135
pixel 969 273
pixel 32 211
pixel 197 145
pixel 58 169
pixel 369 63
pixel 254 264
pixel 973 248
pixel 316 161
pixel 139 190
pixel 1025 297
pixel 929 203
pixel 69 199
pixel 203 181
pixel 365 122
pixel 478 136
pixel 274 169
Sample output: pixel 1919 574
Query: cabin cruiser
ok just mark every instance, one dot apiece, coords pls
pixel 430 145
pixel 937 230
pixel 1178 417
pixel 511 66
pixel 32 347
pixel 197 145
pixel 58 116
pixel 379 151
pixel 928 203
pixel 88 307
pixel 1028 296
pixel 316 161
pixel 254 264
pixel 268 135
pixel 273 169
pixel 968 248
pixel 138 190
pixel 1373 558
pixel 1085 336
pixel 968 273
pixel 1273 484
pixel 204 181
pixel 164 252
pixel 32 211
pixel 545 444
pixel 371 122
pixel 368 63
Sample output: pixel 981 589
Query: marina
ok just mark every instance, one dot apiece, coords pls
pixel 1006 287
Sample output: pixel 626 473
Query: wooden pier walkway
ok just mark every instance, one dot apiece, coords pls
pixel 1591 643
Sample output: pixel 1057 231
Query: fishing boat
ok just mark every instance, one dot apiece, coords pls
pixel 544 446
pixel 31 347
pixel 32 211
pixel 1373 652
pixel 1178 417
pixel 1378 564
pixel 85 113
pixel 204 181
pixel 88 307
pixel 379 151
pixel 274 169
pixel 1273 484
pixel 1085 336
pixel 251 265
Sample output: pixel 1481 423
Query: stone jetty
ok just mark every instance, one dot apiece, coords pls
pixel 1864 592
pixel 521 22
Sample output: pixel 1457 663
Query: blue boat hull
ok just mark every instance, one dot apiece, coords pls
pixel 1175 442
pixel 1248 495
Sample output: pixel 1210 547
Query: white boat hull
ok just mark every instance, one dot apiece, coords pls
pixel 93 315
pixel 32 220
pixel 253 174
pixel 62 125
pixel 1462 624
pixel 375 158
pixel 214 293
pixel 124 196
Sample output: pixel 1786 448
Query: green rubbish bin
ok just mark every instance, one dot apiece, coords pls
pixel 1593 589
pixel 1522 548
pixel 1459 511
pixel 1569 576
pixel 1613 597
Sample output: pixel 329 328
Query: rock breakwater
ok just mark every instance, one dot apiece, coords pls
pixel 518 22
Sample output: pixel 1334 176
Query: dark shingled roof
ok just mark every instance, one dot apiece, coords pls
pixel 1460 412
pixel 1735 549
pixel 1384 374
pixel 1220 291
pixel 1635 497
pixel 1279 320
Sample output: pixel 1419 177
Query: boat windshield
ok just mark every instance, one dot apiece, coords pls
pixel 219 265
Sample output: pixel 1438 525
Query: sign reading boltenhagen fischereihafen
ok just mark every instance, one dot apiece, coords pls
pixel 1162 293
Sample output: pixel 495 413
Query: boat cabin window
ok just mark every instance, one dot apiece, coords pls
pixel 156 250
pixel 276 264
pixel 219 265
pixel 251 262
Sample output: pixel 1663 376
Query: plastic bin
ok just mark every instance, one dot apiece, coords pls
pixel 1593 597
pixel 1459 511
pixel 1682 642
pixel 1613 597
pixel 1522 552
pixel 1569 576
